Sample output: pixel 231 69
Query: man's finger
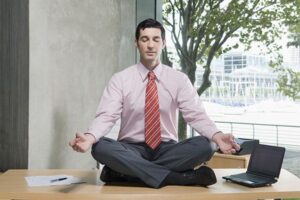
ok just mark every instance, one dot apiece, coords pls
pixel 227 152
pixel 80 149
pixel 72 142
pixel 231 137
pixel 74 148
pixel 80 136
pixel 232 151
pixel 236 146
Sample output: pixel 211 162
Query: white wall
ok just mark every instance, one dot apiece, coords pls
pixel 75 47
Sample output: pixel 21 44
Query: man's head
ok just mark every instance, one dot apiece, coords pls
pixel 150 23
pixel 150 40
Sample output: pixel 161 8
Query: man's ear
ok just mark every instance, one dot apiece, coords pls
pixel 164 44
pixel 136 43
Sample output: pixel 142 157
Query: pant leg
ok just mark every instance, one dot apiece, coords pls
pixel 184 155
pixel 129 159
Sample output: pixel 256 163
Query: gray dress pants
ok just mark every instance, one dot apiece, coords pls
pixel 152 166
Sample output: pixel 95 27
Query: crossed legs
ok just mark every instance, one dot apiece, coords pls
pixel 152 166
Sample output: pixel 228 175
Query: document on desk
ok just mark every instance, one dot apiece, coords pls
pixel 62 179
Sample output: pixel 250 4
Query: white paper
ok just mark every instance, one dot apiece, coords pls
pixel 47 180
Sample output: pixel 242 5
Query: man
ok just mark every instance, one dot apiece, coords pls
pixel 146 97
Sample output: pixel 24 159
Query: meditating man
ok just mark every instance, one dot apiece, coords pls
pixel 147 97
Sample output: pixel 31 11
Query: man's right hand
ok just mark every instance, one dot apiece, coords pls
pixel 82 142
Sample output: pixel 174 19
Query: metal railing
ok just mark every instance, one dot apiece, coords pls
pixel 274 134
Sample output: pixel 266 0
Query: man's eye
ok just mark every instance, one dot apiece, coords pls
pixel 144 39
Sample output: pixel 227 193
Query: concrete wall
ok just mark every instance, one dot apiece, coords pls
pixel 75 47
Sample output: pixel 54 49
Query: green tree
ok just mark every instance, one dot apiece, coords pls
pixel 294 35
pixel 288 80
pixel 294 29
pixel 200 29
pixel 289 83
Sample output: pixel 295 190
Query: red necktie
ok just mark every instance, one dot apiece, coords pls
pixel 152 115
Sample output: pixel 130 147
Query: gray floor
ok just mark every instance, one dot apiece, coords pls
pixel 291 162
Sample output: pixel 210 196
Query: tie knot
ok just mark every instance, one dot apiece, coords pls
pixel 151 76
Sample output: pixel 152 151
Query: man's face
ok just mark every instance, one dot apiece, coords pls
pixel 150 45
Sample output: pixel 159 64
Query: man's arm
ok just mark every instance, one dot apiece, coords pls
pixel 108 112
pixel 194 113
pixel 109 109
pixel 192 109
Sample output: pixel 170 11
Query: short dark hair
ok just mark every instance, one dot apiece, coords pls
pixel 149 23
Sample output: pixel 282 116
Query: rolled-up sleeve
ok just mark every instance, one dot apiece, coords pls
pixel 109 109
pixel 192 109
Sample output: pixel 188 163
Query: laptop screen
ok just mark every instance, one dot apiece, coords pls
pixel 266 160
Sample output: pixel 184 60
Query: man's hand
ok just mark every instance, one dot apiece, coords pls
pixel 226 143
pixel 82 142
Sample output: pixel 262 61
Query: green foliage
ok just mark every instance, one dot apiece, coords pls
pixel 294 28
pixel 200 28
pixel 294 35
pixel 289 83
pixel 289 80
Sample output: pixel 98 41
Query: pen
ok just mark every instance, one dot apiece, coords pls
pixel 59 179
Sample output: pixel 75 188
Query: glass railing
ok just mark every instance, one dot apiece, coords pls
pixel 287 136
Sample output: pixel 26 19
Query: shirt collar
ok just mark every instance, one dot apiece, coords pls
pixel 144 71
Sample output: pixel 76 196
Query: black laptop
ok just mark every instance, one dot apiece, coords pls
pixel 263 169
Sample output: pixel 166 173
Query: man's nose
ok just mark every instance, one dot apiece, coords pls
pixel 150 44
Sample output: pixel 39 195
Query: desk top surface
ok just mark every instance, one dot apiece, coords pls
pixel 236 157
pixel 13 185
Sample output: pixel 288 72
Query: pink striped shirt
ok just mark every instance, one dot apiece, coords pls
pixel 124 97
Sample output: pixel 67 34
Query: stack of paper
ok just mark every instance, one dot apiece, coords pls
pixel 52 180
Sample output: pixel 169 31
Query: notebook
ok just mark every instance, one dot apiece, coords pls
pixel 263 169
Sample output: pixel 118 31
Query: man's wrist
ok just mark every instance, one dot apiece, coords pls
pixel 217 136
pixel 91 137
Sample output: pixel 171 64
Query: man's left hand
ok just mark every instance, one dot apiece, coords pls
pixel 226 143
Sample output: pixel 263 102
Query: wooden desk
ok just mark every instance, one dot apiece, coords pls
pixel 13 186
pixel 220 160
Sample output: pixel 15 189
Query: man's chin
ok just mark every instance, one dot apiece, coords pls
pixel 151 60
